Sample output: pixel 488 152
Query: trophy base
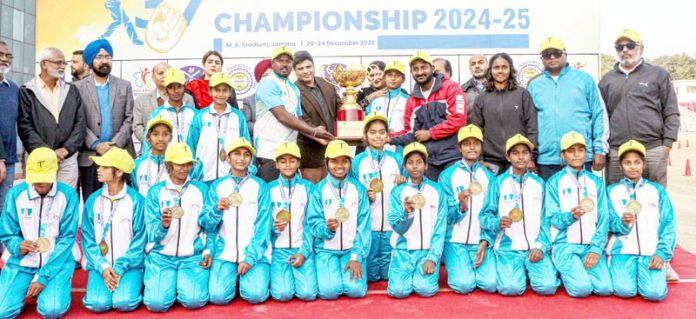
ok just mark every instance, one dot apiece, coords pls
pixel 349 130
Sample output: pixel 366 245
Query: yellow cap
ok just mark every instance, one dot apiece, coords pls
pixel 179 153
pixel 551 43
pixel 220 78
pixel 283 49
pixel 632 145
pixel 420 55
pixel 518 139
pixel 174 75
pixel 42 166
pixel 629 34
pixel 117 158
pixel 468 131
pixel 337 148
pixel 396 66
pixel 287 148
pixel 571 138
pixel 415 147
pixel 374 116
pixel 240 142
pixel 159 119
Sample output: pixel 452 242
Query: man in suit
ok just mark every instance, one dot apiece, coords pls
pixel 108 105
pixel 148 102
pixel 319 107
pixel 51 115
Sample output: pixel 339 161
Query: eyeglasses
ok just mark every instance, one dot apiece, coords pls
pixel 103 57
pixel 9 56
pixel 552 54
pixel 629 45
pixel 58 63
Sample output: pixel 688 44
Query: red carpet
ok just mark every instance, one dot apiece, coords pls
pixel 679 304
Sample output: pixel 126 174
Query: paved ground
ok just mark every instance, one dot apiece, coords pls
pixel 682 190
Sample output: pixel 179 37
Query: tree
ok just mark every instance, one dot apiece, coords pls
pixel 680 66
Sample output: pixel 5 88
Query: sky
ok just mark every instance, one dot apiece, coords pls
pixel 665 26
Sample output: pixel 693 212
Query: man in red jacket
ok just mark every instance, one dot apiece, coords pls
pixel 435 111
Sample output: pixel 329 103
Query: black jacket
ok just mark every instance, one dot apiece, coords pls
pixel 38 128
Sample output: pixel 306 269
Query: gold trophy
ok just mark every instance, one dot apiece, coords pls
pixel 348 125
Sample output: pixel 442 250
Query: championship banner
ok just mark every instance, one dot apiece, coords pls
pixel 144 32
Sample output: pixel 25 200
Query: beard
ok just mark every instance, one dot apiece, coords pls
pixel 427 80
pixel 5 69
pixel 630 62
pixel 103 70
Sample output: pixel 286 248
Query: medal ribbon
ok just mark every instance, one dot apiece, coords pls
pixel 396 103
pixel 106 224
pixel 340 194
pixel 238 185
pixel 418 187
pixel 180 124
pixel 221 133
pixel 517 195
pixel 632 190
pixel 150 181
pixel 291 190
pixel 376 168
pixel 44 221
pixel 471 169
pixel 576 180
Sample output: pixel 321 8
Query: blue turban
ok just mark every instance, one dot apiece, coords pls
pixel 93 49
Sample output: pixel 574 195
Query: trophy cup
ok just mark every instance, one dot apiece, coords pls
pixel 348 125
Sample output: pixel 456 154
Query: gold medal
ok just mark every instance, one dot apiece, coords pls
pixel 342 215
pixel 222 155
pixel 44 244
pixel 177 212
pixel 376 185
pixel 587 204
pixel 283 216
pixel 634 207
pixel 516 215
pixel 418 201
pixel 236 199
pixel 103 247
pixel 475 188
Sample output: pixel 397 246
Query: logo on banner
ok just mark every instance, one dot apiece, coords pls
pixel 527 71
pixel 192 72
pixel 142 78
pixel 242 79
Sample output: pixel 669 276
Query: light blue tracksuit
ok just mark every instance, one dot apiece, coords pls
pixel 150 170
pixel 241 235
pixel 288 281
pixel 464 233
pixel 418 237
pixel 28 216
pixel 172 272
pixel 571 102
pixel 210 133
pixel 573 239
pixel 513 245
pixel 350 241
pixel 652 234
pixel 392 106
pixel 367 167
pixel 181 121
pixel 119 220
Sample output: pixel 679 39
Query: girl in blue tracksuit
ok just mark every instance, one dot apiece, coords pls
pixel 216 126
pixel 575 204
pixel 376 165
pixel 515 214
pixel 149 167
pixel 338 217
pixel 468 252
pixel 113 237
pixel 393 104
pixel 177 262
pixel 643 227
pixel 292 267
pixel 239 207
pixel 38 226
pixel 419 230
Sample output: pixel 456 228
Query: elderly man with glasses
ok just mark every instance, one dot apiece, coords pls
pixel 567 100
pixel 51 115
pixel 642 106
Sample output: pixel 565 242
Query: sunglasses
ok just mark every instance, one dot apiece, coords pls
pixel 552 54
pixel 629 45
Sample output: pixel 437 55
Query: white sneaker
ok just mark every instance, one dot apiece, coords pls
pixel 670 274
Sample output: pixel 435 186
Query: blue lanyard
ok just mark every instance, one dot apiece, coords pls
pixel 106 224
pixel 340 194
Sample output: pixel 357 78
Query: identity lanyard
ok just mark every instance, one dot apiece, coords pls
pixel 517 195
pixel 291 190
pixel 239 185
pixel 44 221
pixel 580 186
pixel 106 222
pixel 152 181
pixel 221 133
pixel 632 190
pixel 340 194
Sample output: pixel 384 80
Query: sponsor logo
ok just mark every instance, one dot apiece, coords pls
pixel 527 70
pixel 243 80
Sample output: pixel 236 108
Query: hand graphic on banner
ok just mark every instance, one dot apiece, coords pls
pixel 165 28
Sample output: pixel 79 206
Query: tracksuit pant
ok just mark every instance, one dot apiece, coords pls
pixel 630 275
pixel 288 281
pixel 577 280
pixel 126 297
pixel 253 286
pixel 462 277
pixel 406 274
pixel 513 268
pixel 380 256
pixel 332 281
pixel 169 278
pixel 53 301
